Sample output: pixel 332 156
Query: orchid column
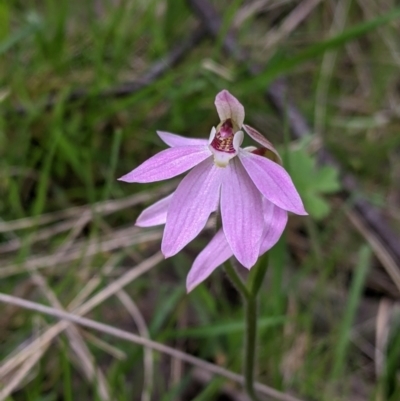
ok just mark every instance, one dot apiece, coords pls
pixel 251 193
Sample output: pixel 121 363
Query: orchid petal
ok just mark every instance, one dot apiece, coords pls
pixel 229 107
pixel 212 135
pixel 275 220
pixel 260 138
pixel 273 182
pixel 155 214
pixel 193 201
pixel 168 163
pixel 173 140
pixel 241 211
pixel 212 256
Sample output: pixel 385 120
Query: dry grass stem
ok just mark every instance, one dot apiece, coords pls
pixel 40 235
pixel 77 344
pixel 104 346
pixel 255 7
pixel 263 389
pixel 377 246
pixel 103 208
pixel 371 9
pixel 143 330
pixel 177 366
pixel 120 239
pixel 120 283
pixel 12 362
pixel 218 69
pixel 19 376
pixel 363 344
pixel 299 14
pixel 75 232
pixel 361 67
pixel 94 282
pixel 383 319
pixel 327 67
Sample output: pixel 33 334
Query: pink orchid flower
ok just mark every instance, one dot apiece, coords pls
pixel 252 192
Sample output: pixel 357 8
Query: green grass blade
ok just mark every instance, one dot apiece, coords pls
pixel 115 148
pixel 211 390
pixel 33 24
pixel 281 64
pixel 163 312
pixel 223 328
pixel 227 21
pixel 177 390
pixel 67 378
pixel 355 294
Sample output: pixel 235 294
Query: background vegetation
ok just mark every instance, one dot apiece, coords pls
pixel 329 308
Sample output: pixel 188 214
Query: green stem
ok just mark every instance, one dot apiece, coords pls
pixel 249 293
pixel 254 283
pixel 256 276
pixel 250 346
pixel 236 280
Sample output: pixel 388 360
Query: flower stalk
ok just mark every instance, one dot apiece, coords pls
pixel 250 346
pixel 236 281
pixel 255 280
pixel 249 293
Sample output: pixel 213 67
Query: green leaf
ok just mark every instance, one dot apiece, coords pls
pixel 316 206
pixel 312 181
pixel 327 180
